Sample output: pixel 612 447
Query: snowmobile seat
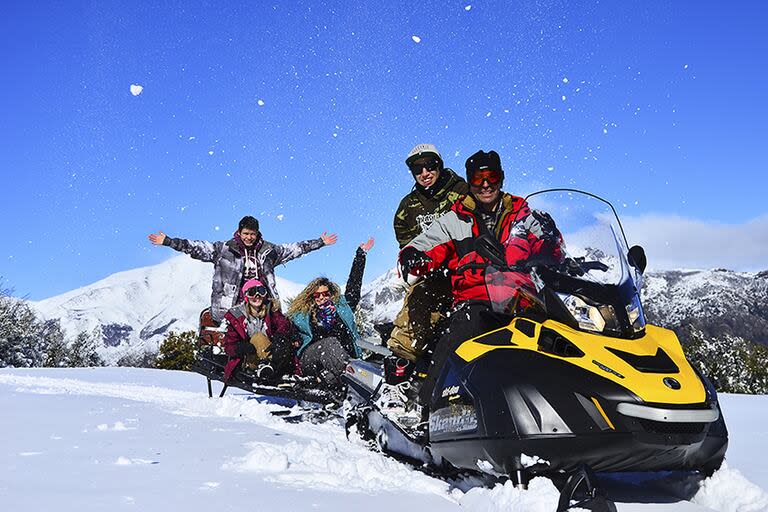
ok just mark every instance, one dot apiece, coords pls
pixel 210 332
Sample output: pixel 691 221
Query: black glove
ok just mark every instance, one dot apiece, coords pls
pixel 244 348
pixel 548 228
pixel 572 267
pixel 412 259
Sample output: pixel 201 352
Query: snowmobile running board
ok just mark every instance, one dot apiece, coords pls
pixel 376 348
pixel 289 388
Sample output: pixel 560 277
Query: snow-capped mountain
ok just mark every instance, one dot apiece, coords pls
pixel 382 298
pixel 134 310
pixel 715 301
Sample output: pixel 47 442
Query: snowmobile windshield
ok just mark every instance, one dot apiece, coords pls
pixel 575 265
pixel 593 242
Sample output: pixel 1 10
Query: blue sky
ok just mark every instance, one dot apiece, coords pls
pixel 301 113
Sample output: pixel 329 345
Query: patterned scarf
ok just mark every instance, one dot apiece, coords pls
pixel 326 315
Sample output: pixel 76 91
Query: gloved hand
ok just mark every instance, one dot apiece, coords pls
pixel 413 261
pixel 572 267
pixel 548 228
pixel 244 348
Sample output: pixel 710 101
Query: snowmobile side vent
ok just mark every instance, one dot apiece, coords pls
pixel 657 363
pixel 502 337
pixel 595 411
pixel 553 342
pixel 526 327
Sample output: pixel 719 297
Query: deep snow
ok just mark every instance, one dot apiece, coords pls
pixel 132 439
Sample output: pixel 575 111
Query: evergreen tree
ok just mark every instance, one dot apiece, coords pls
pixel 734 364
pixel 177 352
pixel 22 335
pixel 83 351
pixel 139 359
pixel 56 350
pixel 364 323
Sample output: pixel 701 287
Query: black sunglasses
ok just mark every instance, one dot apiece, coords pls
pixel 257 290
pixel 430 165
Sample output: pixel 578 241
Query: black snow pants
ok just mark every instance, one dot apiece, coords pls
pixel 469 321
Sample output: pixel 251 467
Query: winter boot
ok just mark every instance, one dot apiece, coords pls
pixel 398 403
pixel 397 369
pixel 265 372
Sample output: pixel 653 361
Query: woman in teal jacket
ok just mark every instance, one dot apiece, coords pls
pixel 325 320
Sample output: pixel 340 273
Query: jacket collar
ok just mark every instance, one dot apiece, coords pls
pixel 236 244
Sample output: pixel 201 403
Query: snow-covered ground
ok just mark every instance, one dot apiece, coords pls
pixel 132 439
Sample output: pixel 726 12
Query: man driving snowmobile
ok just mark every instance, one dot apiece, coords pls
pixel 485 216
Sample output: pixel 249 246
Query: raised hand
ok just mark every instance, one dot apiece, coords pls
pixel 157 238
pixel 366 246
pixel 329 239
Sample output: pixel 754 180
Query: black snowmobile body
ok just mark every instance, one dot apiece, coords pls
pixel 575 379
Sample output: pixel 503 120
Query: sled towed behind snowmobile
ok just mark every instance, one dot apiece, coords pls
pixel 210 361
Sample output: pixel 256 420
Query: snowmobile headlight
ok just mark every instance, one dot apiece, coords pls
pixel 589 318
pixel 635 314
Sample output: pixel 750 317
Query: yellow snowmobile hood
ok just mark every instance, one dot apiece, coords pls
pixel 615 359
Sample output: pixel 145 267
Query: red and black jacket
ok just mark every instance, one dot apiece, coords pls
pixel 451 242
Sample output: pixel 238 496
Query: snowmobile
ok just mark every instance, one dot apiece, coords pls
pixel 570 382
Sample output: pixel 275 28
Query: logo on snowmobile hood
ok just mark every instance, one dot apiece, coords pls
pixel 450 390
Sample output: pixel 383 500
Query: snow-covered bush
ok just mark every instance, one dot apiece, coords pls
pixel 177 352
pixel 25 340
pixel 734 364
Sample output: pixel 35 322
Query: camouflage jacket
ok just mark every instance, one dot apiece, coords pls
pixel 417 211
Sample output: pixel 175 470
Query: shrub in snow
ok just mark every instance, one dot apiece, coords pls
pixel 139 359
pixel 177 352
pixel 82 352
pixel 25 340
pixel 734 364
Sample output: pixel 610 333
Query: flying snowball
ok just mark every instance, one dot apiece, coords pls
pixel 467 7
pixel 416 39
pixel 261 103
pixel 280 217
pixel 136 89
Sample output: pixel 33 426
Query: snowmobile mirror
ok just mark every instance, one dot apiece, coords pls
pixel 637 258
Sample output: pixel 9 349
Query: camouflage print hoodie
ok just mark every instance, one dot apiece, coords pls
pixel 228 260
pixel 419 209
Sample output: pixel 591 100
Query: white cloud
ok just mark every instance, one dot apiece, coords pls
pixel 671 241
pixel 136 89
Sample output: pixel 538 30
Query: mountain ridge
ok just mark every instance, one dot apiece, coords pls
pixel 135 309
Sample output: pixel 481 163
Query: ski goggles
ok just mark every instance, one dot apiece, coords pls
pixel 320 295
pixel 492 176
pixel 260 290
pixel 430 166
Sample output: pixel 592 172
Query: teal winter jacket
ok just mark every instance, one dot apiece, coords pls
pixel 302 323
pixel 345 308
